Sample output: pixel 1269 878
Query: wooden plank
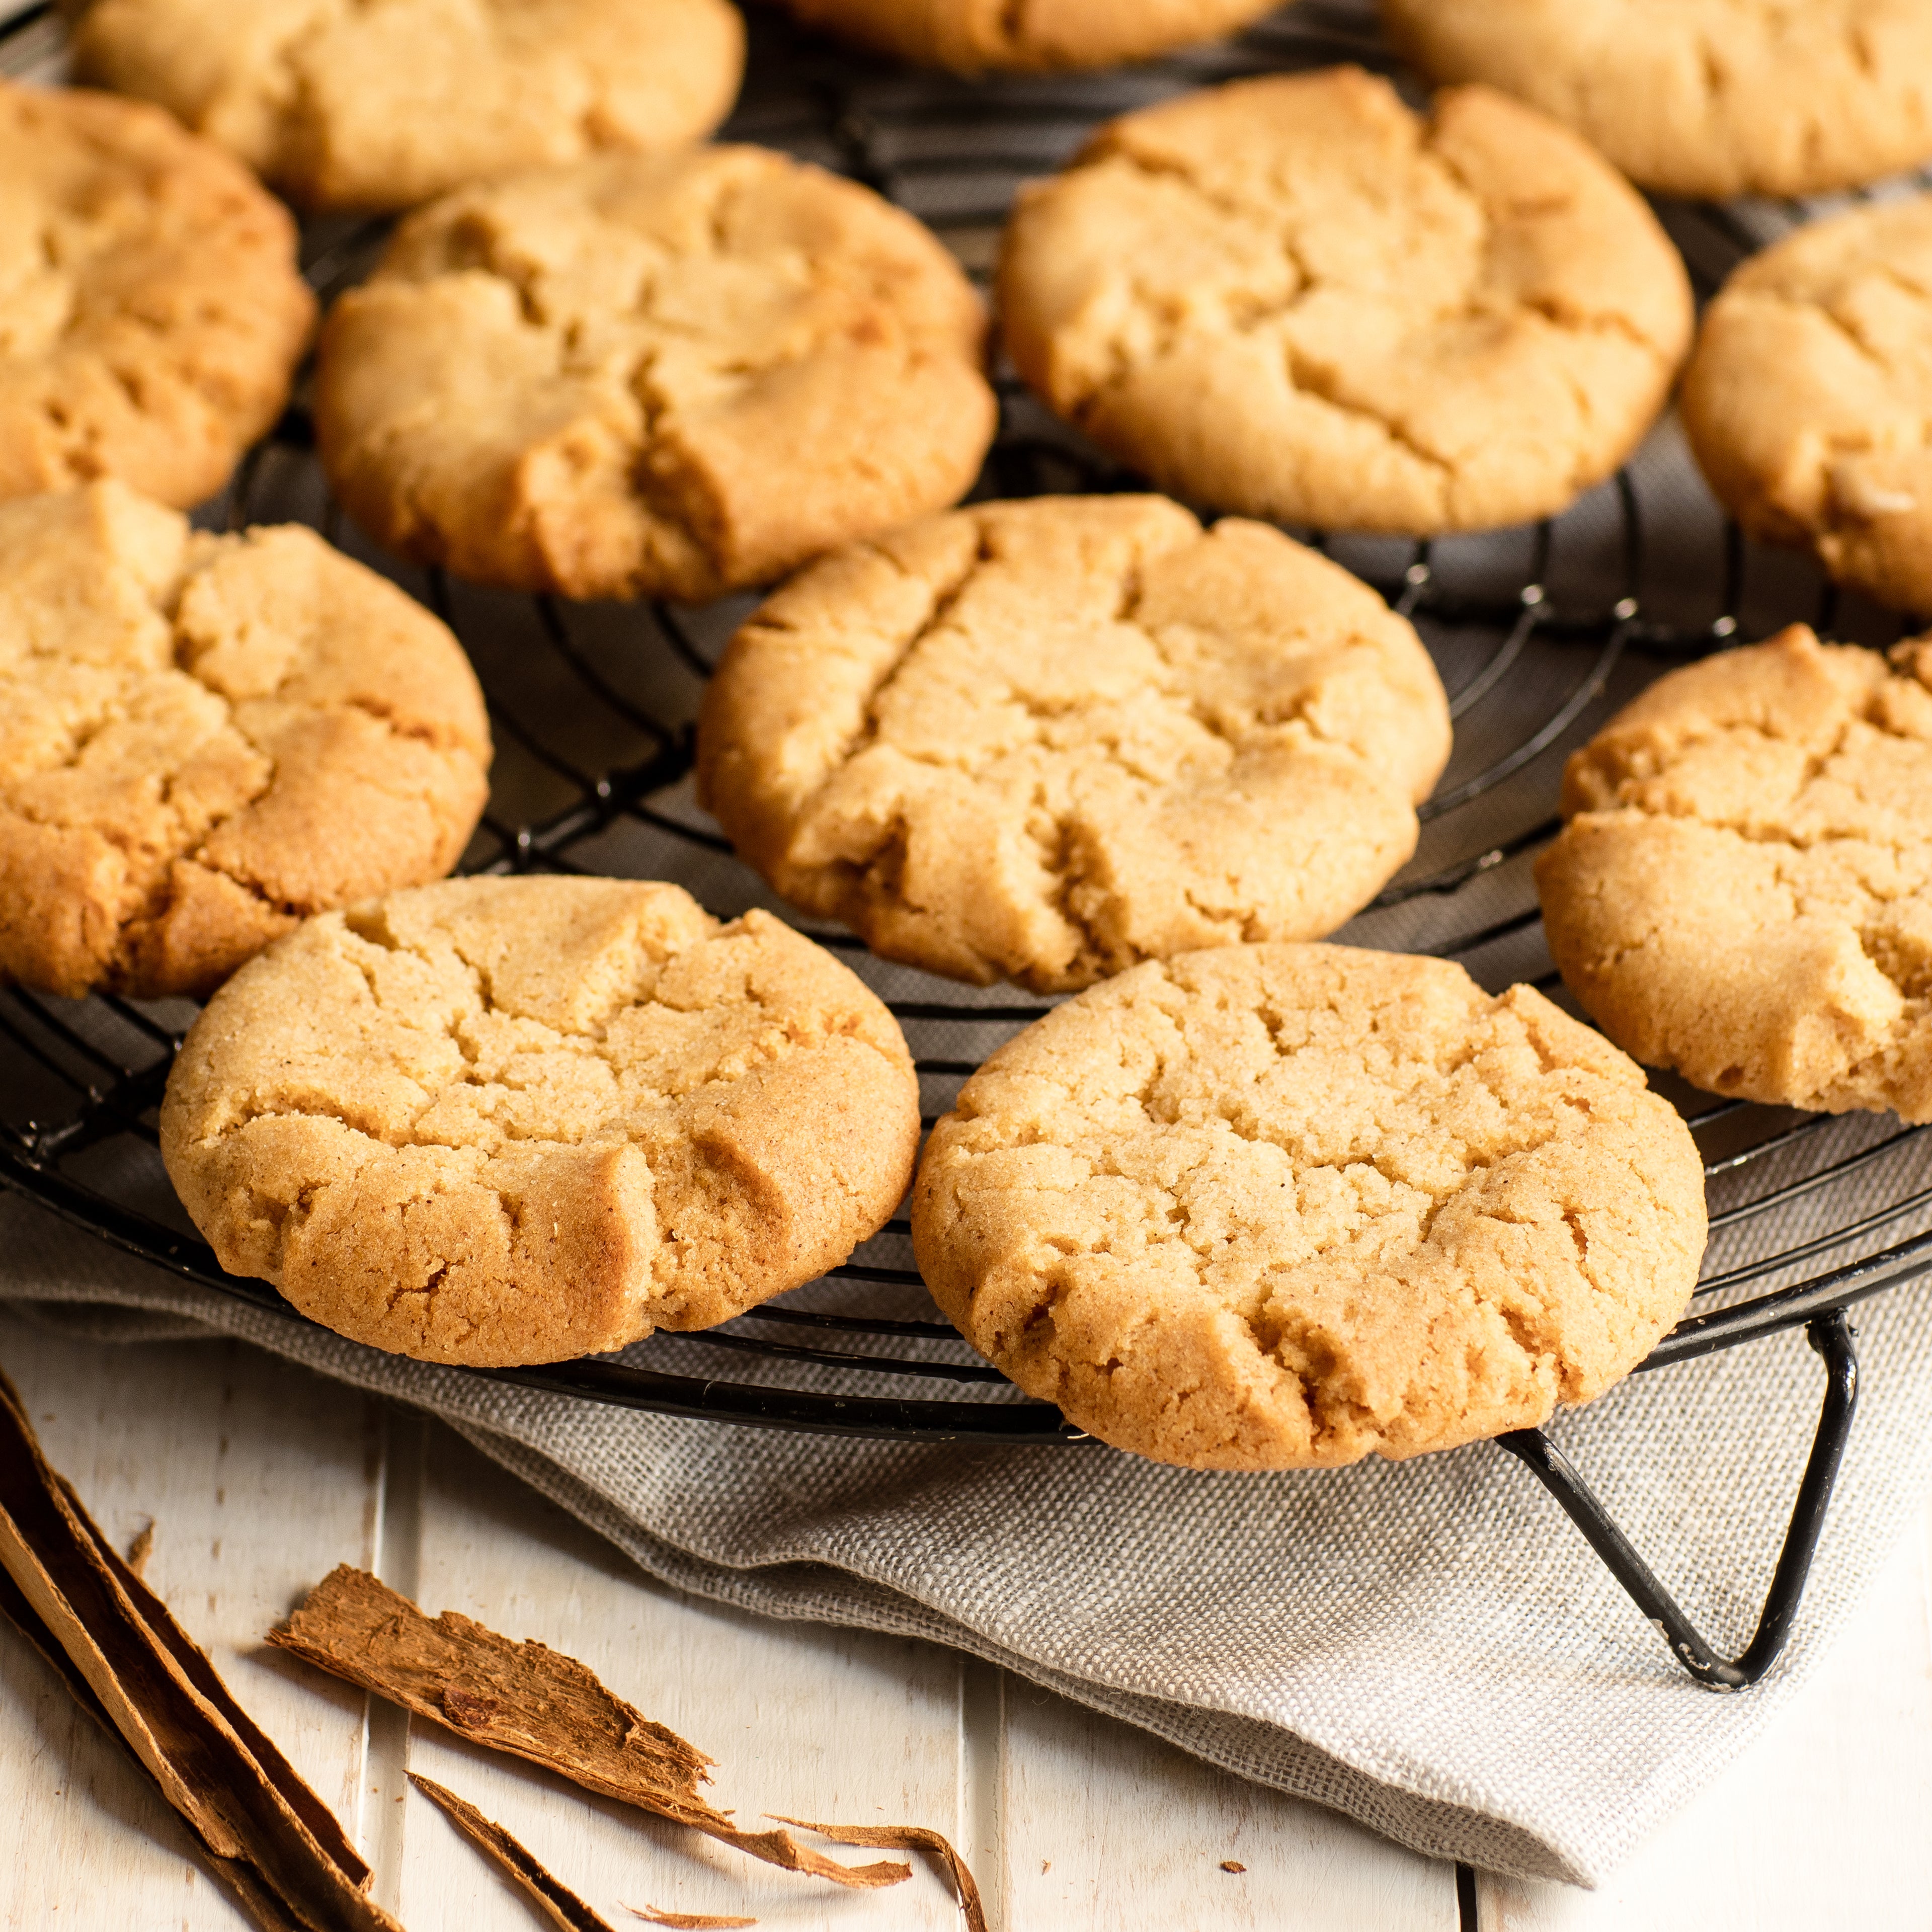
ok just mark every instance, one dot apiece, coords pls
pixel 813 1723
pixel 257 1476
pixel 1823 1821
pixel 1105 1827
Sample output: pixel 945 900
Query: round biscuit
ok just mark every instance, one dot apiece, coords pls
pixel 1742 888
pixel 1702 97
pixel 151 311
pixel 652 376
pixel 1043 740
pixel 204 738
pixel 1808 398
pixel 342 105
pixel 981 36
pixel 1283 1207
pixel 511 1120
pixel 1294 298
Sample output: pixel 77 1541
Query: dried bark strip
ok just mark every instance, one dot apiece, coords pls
pixel 549 1893
pixel 532 1702
pixel 688 1922
pixel 910 1838
pixel 266 1834
pixel 260 1905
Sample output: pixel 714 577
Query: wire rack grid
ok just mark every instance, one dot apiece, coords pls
pixel 1538 632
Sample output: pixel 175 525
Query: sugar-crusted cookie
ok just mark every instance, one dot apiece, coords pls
pixel 1294 298
pixel 1280 1207
pixel 151 313
pixel 1043 740
pixel 203 738
pixel 975 36
pixel 1709 97
pixel 341 104
pixel 643 375
pixel 1809 394
pixel 503 1120
pixel 1743 890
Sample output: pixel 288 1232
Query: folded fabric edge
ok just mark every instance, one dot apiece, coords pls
pixel 841 1599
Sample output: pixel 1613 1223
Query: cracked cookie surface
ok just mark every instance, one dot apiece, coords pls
pixel 1702 97
pixel 977 36
pixel 151 313
pixel 643 376
pixel 1743 888
pixel 1044 740
pixel 1808 398
pixel 1282 1206
pixel 506 1121
pixel 341 104
pixel 1295 299
pixel 203 738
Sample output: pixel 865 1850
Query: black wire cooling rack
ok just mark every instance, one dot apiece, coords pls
pixel 1538 632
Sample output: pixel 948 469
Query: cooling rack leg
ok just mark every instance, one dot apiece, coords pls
pixel 1831 1334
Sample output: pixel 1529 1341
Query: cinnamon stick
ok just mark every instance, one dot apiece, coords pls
pixel 266 1834
pixel 532 1703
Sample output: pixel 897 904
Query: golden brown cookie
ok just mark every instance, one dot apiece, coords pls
pixel 1044 740
pixel 1709 97
pixel 643 376
pixel 1743 890
pixel 342 104
pixel 1808 399
pixel 977 36
pixel 1283 1207
pixel 203 738
pixel 1295 299
pixel 151 313
pixel 504 1121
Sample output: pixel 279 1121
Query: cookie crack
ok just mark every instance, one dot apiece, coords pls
pixel 1312 380
pixel 945 599
pixel 1304 374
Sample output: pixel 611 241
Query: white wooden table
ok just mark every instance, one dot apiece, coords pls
pixel 260 1478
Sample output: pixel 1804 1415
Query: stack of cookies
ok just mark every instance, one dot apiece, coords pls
pixel 1247 1200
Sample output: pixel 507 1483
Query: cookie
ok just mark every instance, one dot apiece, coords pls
pixel 151 314
pixel 1710 98
pixel 977 36
pixel 1045 740
pixel 641 376
pixel 504 1121
pixel 1295 299
pixel 203 738
pixel 340 104
pixel 1743 888
pixel 1284 1207
pixel 1806 397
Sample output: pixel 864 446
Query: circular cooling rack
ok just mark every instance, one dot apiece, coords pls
pixel 1539 633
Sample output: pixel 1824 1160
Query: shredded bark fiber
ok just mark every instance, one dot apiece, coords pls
pixel 549 1893
pixel 533 1702
pixel 265 1834
pixel 910 1838
pixel 689 1921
